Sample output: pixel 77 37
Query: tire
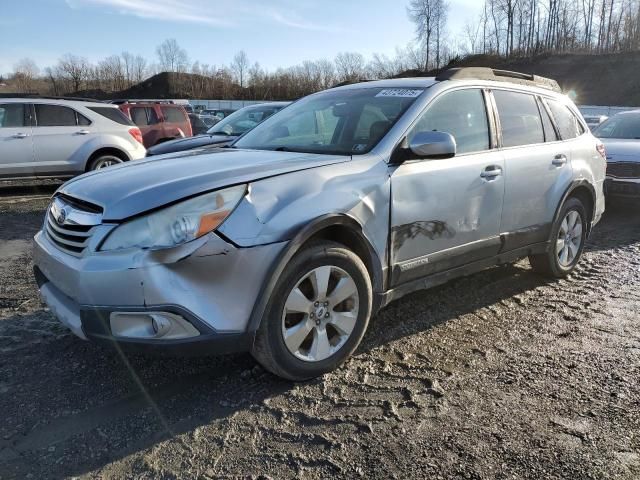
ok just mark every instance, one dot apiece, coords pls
pixel 104 161
pixel 565 245
pixel 310 318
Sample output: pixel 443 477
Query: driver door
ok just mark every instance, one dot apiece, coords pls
pixel 446 213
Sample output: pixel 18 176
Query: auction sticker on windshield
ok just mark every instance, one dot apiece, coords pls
pixel 399 92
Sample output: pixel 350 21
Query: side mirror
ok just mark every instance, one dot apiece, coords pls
pixel 433 145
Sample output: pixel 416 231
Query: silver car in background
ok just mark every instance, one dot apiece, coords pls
pixel 287 242
pixel 621 137
pixel 55 137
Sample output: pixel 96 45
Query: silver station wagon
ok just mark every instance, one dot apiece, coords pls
pixel 287 242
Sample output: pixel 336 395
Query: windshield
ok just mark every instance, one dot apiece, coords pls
pixel 243 120
pixel 620 126
pixel 341 122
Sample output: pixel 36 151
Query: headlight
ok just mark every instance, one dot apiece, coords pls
pixel 178 223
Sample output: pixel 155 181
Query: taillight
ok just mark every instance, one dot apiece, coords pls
pixel 601 150
pixel 136 133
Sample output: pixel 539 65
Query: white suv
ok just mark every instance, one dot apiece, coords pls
pixel 52 137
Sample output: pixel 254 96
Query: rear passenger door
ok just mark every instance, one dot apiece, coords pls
pixel 445 213
pixel 58 136
pixel 16 141
pixel 538 169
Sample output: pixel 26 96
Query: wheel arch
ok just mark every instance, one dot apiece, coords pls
pixel 337 227
pixel 106 151
pixel 585 192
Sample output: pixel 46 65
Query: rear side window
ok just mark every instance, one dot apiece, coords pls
pixel 139 116
pixel 463 114
pixel 550 134
pixel 113 114
pixel 55 116
pixel 519 118
pixel 12 115
pixel 143 116
pixel 172 114
pixel 567 123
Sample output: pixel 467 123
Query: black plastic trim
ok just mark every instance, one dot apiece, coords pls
pixel 443 277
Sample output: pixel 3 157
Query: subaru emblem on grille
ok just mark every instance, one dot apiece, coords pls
pixel 62 216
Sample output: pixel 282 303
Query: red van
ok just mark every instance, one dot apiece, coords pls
pixel 158 121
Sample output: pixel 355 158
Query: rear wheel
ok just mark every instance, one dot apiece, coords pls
pixel 104 161
pixel 568 236
pixel 317 314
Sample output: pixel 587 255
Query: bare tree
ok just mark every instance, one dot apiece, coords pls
pixel 240 66
pixel 25 74
pixel 172 57
pixel 429 17
pixel 75 69
pixel 349 66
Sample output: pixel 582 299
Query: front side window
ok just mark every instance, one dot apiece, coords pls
pixel 12 115
pixel 623 126
pixel 567 123
pixel 519 118
pixel 463 114
pixel 338 121
pixel 55 116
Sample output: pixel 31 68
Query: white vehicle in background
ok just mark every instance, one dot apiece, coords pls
pixel 61 137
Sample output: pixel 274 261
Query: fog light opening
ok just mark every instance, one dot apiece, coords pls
pixel 151 326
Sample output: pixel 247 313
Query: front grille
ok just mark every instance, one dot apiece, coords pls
pixel 623 170
pixel 72 231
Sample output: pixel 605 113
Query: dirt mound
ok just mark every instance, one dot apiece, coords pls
pixel 610 79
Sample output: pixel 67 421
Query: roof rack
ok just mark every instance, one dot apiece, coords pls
pixel 485 73
pixel 121 101
pixel 351 82
pixel 48 97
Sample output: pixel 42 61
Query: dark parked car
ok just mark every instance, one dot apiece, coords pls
pixel 621 137
pixel 225 131
pixel 198 126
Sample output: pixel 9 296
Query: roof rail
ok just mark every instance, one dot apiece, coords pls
pixel 485 73
pixel 48 97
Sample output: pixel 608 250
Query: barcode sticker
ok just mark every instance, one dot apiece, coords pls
pixel 399 92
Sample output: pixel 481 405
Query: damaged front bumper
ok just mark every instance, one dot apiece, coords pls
pixel 196 298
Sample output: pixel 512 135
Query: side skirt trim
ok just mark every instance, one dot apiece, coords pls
pixel 474 267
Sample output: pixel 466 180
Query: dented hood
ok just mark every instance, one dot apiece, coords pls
pixel 139 186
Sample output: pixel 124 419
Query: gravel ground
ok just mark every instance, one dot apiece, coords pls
pixel 502 374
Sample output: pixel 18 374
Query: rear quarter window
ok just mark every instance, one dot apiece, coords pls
pixel 568 124
pixel 113 114
pixel 173 114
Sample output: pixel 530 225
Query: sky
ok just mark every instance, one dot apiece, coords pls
pixel 275 33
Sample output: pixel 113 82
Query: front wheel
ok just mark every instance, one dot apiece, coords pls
pixel 568 236
pixel 317 314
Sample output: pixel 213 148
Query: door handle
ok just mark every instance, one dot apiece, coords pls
pixel 83 132
pixel 491 172
pixel 559 160
pixel 20 135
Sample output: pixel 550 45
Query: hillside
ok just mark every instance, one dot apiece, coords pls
pixel 611 79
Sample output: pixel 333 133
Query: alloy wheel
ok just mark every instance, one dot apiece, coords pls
pixel 569 238
pixel 320 313
pixel 107 161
